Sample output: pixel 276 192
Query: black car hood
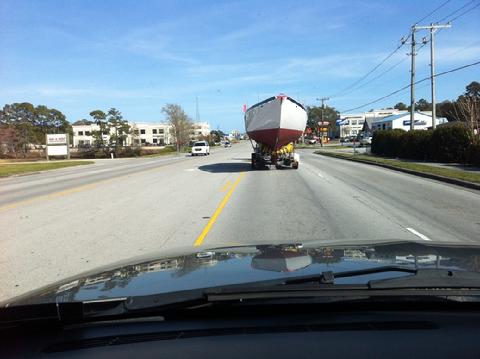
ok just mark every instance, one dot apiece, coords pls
pixel 235 265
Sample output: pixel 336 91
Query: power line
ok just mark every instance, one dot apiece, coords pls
pixel 388 56
pixel 384 72
pixel 407 86
pixel 432 12
pixel 464 13
pixel 369 72
pixel 454 12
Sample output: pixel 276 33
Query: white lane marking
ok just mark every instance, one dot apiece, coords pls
pixel 320 175
pixel 418 234
pixel 190 169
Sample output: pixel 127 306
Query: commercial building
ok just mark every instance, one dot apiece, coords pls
pixel 151 134
pixel 353 124
pixel 200 129
pixel 422 121
pixel 141 134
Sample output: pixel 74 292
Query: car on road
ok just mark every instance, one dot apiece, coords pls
pixel 311 141
pixel 200 148
pixel 228 144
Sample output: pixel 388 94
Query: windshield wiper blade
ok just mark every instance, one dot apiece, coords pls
pixel 420 278
pixel 329 277
pixel 430 278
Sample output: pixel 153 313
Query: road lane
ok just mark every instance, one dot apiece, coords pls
pixel 150 207
pixel 163 207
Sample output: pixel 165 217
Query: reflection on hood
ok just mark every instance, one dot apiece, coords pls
pixel 234 265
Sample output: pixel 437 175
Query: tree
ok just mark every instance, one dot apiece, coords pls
pixel 27 125
pixel 423 105
pixel 180 124
pixel 466 108
pixel 119 128
pixel 315 115
pixel 473 90
pixel 447 109
pixel 82 122
pixel 217 135
pixel 400 106
pixel 100 119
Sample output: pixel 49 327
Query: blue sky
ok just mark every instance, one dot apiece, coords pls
pixel 137 56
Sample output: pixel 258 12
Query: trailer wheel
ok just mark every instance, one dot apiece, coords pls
pixel 295 165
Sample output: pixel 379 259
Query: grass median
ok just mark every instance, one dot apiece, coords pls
pixel 11 169
pixel 433 170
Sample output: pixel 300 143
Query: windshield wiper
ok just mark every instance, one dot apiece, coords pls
pixel 420 282
pixel 420 278
pixel 329 277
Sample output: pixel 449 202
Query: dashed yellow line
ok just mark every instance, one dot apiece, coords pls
pixel 224 188
pixel 213 219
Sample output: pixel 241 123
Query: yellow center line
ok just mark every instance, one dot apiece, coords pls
pixel 224 188
pixel 213 219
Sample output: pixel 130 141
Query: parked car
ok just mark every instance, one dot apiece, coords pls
pixel 228 144
pixel 200 148
pixel 364 141
pixel 311 141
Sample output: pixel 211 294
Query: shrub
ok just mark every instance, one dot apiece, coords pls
pixel 450 144
pixel 416 145
pixel 473 154
pixel 387 142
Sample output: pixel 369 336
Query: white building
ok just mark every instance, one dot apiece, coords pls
pixel 142 134
pixel 200 129
pixel 151 134
pixel 353 124
pixel 422 121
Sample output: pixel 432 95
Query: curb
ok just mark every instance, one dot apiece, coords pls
pixel 454 181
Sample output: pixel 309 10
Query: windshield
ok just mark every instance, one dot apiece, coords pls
pixel 137 138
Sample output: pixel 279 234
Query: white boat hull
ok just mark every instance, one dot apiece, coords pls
pixel 276 121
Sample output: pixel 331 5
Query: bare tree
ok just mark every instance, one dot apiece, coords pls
pixel 180 123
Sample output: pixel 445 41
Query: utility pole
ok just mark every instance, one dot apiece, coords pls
pixel 412 81
pixel 197 112
pixel 433 28
pixel 323 99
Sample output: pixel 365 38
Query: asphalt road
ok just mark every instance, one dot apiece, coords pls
pixel 60 223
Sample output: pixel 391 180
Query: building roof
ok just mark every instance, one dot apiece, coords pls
pixel 399 116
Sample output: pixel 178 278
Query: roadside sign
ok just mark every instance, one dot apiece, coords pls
pixel 57 139
pixel 57 145
pixel 323 123
pixel 57 150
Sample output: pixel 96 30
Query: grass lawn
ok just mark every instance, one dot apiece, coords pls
pixel 445 172
pixel 19 168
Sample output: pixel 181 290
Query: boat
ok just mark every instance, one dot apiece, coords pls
pixel 276 121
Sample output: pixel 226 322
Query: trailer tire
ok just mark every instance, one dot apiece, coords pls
pixel 295 165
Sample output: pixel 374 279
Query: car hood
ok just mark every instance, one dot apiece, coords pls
pixel 246 264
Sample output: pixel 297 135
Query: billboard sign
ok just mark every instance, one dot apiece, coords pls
pixel 57 139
